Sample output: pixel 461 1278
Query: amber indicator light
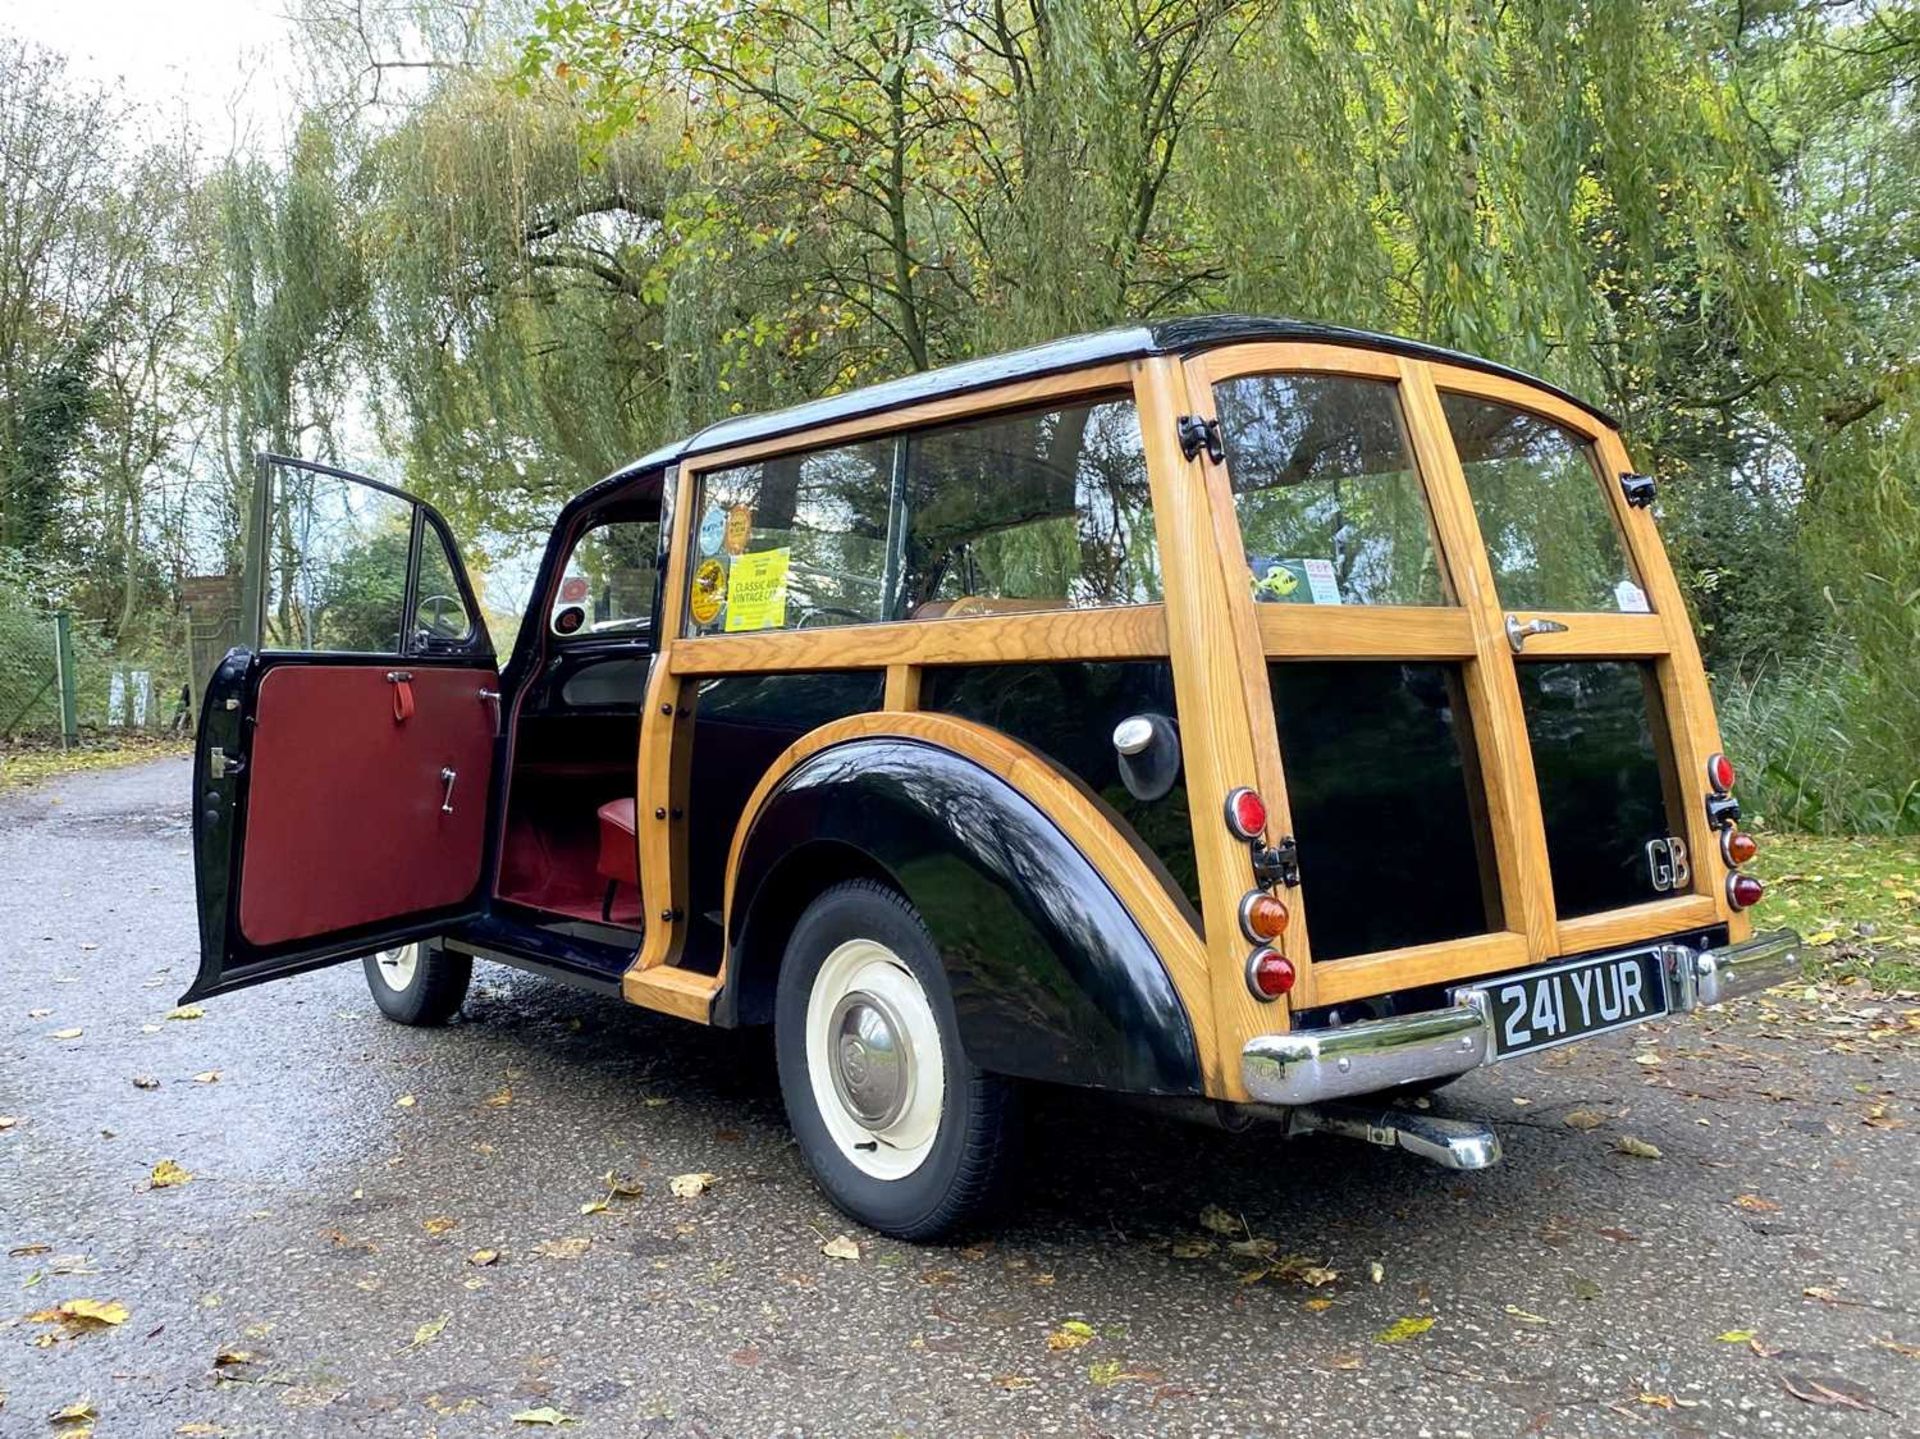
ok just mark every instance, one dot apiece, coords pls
pixel 1263 916
pixel 1737 847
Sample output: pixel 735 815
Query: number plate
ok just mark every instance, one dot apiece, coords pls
pixel 1572 1000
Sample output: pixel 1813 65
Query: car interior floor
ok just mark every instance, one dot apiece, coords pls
pixel 565 767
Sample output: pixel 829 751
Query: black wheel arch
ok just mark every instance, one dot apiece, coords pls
pixel 1052 978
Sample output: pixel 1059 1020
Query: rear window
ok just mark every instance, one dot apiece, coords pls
pixel 1546 523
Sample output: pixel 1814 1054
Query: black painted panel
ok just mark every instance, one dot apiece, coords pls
pixel 1387 804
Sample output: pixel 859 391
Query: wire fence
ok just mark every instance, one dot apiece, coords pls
pixel 62 680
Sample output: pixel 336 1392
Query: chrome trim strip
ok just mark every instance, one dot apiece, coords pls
pixel 1310 1066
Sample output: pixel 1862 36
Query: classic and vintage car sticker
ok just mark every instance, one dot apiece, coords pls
pixel 1321 582
pixel 758 590
pixel 1631 599
pixel 709 591
pixel 739 529
pixel 1293 581
pixel 713 529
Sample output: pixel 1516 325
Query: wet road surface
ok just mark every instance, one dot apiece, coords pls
pixel 345 1170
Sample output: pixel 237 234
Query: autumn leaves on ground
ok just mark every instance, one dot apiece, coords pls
pixel 275 1213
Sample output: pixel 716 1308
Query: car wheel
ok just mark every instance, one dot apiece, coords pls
pixel 418 983
pixel 899 1129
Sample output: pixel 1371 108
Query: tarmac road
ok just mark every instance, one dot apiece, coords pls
pixel 344 1169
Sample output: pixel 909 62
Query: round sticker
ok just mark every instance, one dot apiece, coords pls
pixel 709 592
pixel 713 529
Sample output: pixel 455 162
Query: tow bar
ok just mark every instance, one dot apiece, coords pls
pixel 1450 1143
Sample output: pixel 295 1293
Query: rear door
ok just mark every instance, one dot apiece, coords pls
pixel 342 774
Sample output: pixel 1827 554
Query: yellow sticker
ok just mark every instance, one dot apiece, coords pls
pixel 709 592
pixel 739 529
pixel 759 591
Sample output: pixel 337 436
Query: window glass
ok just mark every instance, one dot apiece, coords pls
pixel 1544 519
pixel 440 617
pixel 611 575
pixel 1331 509
pixel 795 542
pixel 336 565
pixel 1047 509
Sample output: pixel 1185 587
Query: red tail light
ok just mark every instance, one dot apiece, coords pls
pixel 1744 891
pixel 1737 847
pixel 1246 814
pixel 1269 973
pixel 1720 774
pixel 1263 916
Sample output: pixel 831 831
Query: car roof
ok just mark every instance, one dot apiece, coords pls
pixel 1184 336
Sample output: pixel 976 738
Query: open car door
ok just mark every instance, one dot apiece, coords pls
pixel 345 754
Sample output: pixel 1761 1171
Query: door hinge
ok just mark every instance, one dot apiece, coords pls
pixel 222 765
pixel 1277 863
pixel 1197 434
pixel 1639 490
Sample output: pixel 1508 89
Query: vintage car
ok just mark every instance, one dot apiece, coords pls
pixel 1271 719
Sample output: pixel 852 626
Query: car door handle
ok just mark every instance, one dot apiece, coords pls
pixel 1518 634
pixel 447 777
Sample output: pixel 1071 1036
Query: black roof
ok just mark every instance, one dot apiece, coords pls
pixel 1186 336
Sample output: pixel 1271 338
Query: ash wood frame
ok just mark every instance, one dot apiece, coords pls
pixel 1218 643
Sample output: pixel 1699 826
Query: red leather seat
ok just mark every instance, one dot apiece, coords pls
pixel 619 861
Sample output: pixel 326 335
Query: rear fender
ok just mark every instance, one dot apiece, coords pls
pixel 1053 977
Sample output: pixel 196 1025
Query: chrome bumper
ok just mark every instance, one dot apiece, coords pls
pixel 1310 1066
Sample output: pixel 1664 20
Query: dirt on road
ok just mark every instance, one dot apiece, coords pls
pixel 1702 1227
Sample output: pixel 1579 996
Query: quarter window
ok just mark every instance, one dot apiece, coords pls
pixel 1548 529
pixel 610 577
pixel 1330 506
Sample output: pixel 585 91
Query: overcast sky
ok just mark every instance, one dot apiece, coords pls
pixel 227 62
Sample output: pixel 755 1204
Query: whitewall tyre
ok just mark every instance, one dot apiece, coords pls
pixel 418 983
pixel 898 1128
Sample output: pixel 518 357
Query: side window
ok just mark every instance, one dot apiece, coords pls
pixel 794 542
pixel 440 616
pixel 336 565
pixel 609 580
pixel 1544 518
pixel 1330 506
pixel 1046 509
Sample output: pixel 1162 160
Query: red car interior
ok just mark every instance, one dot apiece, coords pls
pixel 349 819
pixel 558 852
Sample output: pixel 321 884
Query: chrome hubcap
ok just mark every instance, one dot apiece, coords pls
pixel 872 1056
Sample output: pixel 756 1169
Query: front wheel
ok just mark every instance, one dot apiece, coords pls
pixel 898 1128
pixel 418 983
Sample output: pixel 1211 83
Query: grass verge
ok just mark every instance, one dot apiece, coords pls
pixel 1856 901
pixel 28 764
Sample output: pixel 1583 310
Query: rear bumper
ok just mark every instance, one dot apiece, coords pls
pixel 1310 1066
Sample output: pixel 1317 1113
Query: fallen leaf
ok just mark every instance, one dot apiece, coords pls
pixel 167 1174
pixel 1756 1203
pixel 500 1100
pixel 625 1185
pixel 1584 1289
pixel 68 1033
pixel 208 1076
pixel 545 1414
pixel 199 1429
pixel 1524 1317
pixel 840 1247
pixel 145 1081
pixel 1835 1392
pixel 1402 1330
pixel 571 1247
pixel 691 1186
pixel 483 1257
pixel 1822 937
pixel 1316 1276
pixel 1912 1351
pixel 439 1224
pixel 1376 1271
pixel 1215 1218
pixel 405 1101
pixel 1649 1060
pixel 1253 1248
pixel 186 1011
pixel 1736 1336
pixel 227 1358
pixel 594 1206
pixel 1344 1361
pixel 20 1251
pixel 1638 1148
pixel 1013 1381
pixel 84 1314
pixel 7 1121
pixel 429 1331
pixel 81 1411
pixel 1317 1305
pixel 1191 1248
pixel 1583 1119
pixel 1071 1335
pixel 1107 1372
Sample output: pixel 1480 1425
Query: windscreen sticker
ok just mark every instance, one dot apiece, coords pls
pixel 1631 599
pixel 713 529
pixel 739 529
pixel 1321 582
pixel 1293 581
pixel 757 591
pixel 709 592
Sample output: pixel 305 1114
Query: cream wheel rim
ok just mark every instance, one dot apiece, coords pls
pixel 396 966
pixel 874 1060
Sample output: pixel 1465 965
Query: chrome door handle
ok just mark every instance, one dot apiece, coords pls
pixel 447 778
pixel 1517 633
